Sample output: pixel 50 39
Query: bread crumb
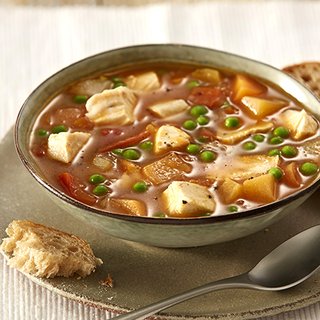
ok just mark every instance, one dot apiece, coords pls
pixel 107 282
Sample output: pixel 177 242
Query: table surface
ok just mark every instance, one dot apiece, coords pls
pixel 38 41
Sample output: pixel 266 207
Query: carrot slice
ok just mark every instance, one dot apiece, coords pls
pixel 126 142
pixel 73 189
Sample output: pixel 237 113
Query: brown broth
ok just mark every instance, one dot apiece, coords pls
pixel 82 167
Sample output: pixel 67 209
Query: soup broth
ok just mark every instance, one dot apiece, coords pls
pixel 176 141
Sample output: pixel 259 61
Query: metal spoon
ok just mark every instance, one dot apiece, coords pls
pixel 289 264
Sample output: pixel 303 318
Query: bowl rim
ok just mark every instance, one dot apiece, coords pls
pixel 257 211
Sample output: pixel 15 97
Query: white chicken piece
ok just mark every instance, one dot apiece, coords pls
pixel 170 138
pixel 244 167
pixel 186 199
pixel 147 81
pixel 300 123
pixel 112 107
pixel 169 108
pixel 64 146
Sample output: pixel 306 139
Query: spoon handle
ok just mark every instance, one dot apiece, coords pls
pixel 241 281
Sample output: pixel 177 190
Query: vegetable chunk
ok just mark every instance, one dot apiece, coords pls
pixel 262 189
pixel 129 206
pixel 147 81
pixel 168 168
pixel 244 86
pixel 299 123
pixel 230 190
pixel 185 199
pixel 208 75
pixel 169 108
pixel 112 107
pixel 260 108
pixel 170 138
pixel 64 146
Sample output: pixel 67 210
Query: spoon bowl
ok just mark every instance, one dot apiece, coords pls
pixel 286 266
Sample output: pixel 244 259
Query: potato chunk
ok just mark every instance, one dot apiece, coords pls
pixel 262 189
pixel 169 108
pixel 168 168
pixel 129 206
pixel 208 75
pixel 64 146
pixel 291 176
pixel 90 87
pixel 300 123
pixel 230 190
pixel 112 107
pixel 244 86
pixel 236 136
pixel 170 138
pixel 147 81
pixel 185 199
pixel 260 108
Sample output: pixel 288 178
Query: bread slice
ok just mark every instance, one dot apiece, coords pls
pixel 46 252
pixel 307 73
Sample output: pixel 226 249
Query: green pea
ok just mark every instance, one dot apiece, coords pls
pixel 80 99
pixel 274 152
pixel 96 178
pixel 117 152
pixel 146 145
pixel 282 132
pixel 117 82
pixel 289 151
pixel 207 156
pixel 308 168
pixel 203 120
pixel 232 122
pixel 140 187
pixel 249 145
pixel 233 209
pixel 131 154
pixel 276 172
pixel 59 128
pixel 275 140
pixel 43 133
pixel 193 148
pixel 100 190
pixel 189 125
pixel 198 110
pixel 192 84
pixel 258 138
pixel 159 215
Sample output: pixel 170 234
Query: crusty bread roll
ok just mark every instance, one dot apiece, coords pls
pixel 46 252
pixel 308 73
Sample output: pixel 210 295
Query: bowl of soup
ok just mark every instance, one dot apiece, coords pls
pixel 172 145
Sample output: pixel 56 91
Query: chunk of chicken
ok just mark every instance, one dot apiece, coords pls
pixel 147 81
pixel 165 169
pixel 300 123
pixel 90 87
pixel 112 107
pixel 236 136
pixel 64 146
pixel 129 206
pixel 244 167
pixel 170 138
pixel 185 199
pixel 260 108
pixel 169 108
pixel 208 75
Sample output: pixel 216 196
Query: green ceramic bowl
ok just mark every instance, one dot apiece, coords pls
pixel 160 231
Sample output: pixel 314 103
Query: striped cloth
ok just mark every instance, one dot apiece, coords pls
pixel 36 42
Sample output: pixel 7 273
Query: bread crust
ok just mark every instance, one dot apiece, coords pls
pixel 47 252
pixel 308 73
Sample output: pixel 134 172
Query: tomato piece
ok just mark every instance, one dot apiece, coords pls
pixel 73 188
pixel 212 97
pixel 126 142
pixel 66 115
pixel 82 123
